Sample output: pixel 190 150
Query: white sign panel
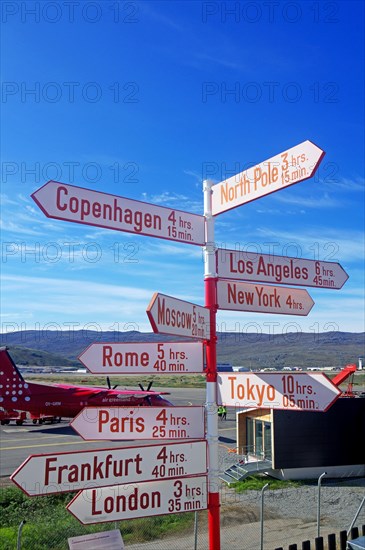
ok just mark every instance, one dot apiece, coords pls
pixel 294 165
pixel 173 316
pixel 267 268
pixel 121 423
pixel 140 500
pixel 76 204
pixel 293 392
pixel 107 540
pixel 143 358
pixel 62 472
pixel 263 298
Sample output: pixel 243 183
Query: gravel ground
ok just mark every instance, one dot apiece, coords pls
pixel 340 501
pixel 290 516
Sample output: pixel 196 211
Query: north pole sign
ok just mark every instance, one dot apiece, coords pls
pixel 143 357
pixel 293 392
pixel 120 423
pixel 242 296
pixel 140 500
pixel 62 472
pixel 174 316
pixel 292 166
pixel 76 204
pixel 267 268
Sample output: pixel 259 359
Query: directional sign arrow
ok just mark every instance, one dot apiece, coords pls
pixel 294 165
pixel 120 423
pixel 76 204
pixel 173 316
pixel 263 298
pixel 295 392
pixel 266 268
pixel 62 472
pixel 140 500
pixel 143 358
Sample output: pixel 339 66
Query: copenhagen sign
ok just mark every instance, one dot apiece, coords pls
pixel 76 204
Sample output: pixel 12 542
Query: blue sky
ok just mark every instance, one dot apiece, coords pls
pixel 146 99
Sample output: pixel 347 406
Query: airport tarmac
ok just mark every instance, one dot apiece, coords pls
pixel 19 442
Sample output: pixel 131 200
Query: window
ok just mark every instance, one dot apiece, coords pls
pixel 250 441
pixel 258 437
pixel 259 444
pixel 267 440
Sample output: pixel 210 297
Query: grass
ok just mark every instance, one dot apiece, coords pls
pixel 161 381
pixel 256 483
pixel 49 524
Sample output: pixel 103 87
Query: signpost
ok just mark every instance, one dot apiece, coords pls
pixel 143 358
pixel 240 296
pixel 170 315
pixel 173 316
pixel 294 165
pixel 120 423
pixel 63 472
pixel 140 500
pixel 267 268
pixel 76 204
pixel 293 392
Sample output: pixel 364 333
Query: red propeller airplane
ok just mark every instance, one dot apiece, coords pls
pixel 62 400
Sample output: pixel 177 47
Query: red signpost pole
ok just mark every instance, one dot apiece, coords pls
pixel 210 282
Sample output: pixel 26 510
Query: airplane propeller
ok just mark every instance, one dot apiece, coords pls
pixel 109 384
pixel 147 398
pixel 148 387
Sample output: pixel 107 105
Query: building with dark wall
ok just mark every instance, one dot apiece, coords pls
pixel 305 444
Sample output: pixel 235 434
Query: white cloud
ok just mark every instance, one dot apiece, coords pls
pixel 5 200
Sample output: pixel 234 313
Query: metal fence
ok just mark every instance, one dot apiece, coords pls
pixel 289 517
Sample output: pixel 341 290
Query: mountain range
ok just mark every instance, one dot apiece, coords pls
pixel 251 350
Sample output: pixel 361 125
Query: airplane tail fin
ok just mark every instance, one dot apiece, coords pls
pixel 12 384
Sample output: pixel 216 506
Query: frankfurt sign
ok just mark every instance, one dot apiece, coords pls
pixel 62 472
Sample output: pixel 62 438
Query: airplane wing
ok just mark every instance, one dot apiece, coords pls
pixel 96 391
